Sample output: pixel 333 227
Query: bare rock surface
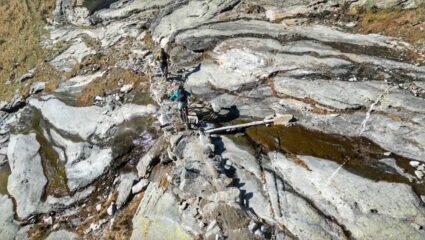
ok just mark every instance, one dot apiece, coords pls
pixel 27 181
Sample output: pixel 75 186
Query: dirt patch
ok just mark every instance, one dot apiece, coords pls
pixel 21 27
pixel 113 80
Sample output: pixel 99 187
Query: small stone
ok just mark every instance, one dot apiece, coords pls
pixel 111 209
pixel 419 174
pixel 37 87
pixel 126 88
pixel 252 226
pixel 351 24
pixel 421 168
pixel 414 164
pixel 387 154
pixel 140 186
pixel 48 220
pixel 202 224
pixel 98 207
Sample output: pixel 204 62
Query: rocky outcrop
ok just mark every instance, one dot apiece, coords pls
pixel 242 61
pixel 27 182
pixel 366 209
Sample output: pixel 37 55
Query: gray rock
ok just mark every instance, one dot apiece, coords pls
pixel 157 215
pixel 368 209
pixel 300 218
pixel 14 104
pixel 73 55
pixel 126 88
pixel 84 162
pixel 124 188
pixel 62 235
pixel 86 121
pixel 77 83
pixel 8 226
pixel 37 87
pixel 27 181
pixel 232 195
pixel 140 186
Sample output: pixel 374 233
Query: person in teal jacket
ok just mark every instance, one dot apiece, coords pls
pixel 182 97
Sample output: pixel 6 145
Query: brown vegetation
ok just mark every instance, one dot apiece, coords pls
pixel 406 24
pixel 113 80
pixel 21 27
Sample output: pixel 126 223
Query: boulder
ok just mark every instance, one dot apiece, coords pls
pixel 147 162
pixel 27 181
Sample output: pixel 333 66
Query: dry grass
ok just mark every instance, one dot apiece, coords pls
pixel 21 26
pixel 110 82
pixel 123 226
pixel 406 24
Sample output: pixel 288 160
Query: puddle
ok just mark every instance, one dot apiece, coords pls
pixel 4 176
pixel 360 155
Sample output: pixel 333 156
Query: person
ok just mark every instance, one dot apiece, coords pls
pixel 163 58
pixel 182 97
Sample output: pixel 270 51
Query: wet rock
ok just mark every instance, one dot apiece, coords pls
pixel 349 198
pixel 140 186
pixel 124 188
pixel 27 181
pixel 62 235
pixel 37 87
pixel 147 162
pixel 8 226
